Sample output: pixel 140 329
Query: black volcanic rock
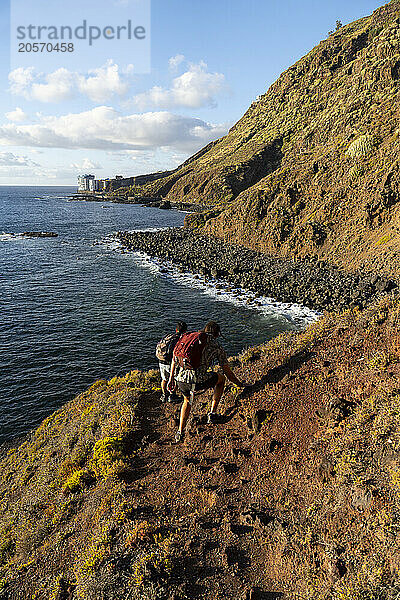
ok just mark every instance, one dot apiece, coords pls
pixel 39 234
pixel 308 282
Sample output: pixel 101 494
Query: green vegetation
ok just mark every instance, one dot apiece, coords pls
pixel 355 172
pixel 65 483
pixel 77 481
pixel 316 441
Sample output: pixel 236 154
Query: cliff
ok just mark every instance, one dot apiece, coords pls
pixel 295 494
pixel 313 167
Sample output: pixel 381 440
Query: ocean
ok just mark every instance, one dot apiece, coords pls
pixel 77 308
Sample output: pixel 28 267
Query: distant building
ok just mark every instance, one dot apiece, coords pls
pixel 94 185
pixel 88 183
pixel 84 182
pixel 102 185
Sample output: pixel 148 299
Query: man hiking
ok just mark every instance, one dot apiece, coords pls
pixel 164 353
pixel 193 355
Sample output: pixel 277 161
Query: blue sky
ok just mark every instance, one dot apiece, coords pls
pixel 209 60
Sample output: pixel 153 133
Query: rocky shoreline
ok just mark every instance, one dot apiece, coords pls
pixel 312 283
pixel 142 201
pixel 164 204
pixel 39 234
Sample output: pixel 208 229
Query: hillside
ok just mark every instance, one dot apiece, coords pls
pixel 313 167
pixel 295 494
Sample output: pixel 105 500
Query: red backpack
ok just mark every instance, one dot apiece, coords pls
pixel 189 349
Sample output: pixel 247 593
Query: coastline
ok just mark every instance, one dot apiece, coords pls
pixel 283 482
pixel 299 316
pixel 142 201
pixel 312 283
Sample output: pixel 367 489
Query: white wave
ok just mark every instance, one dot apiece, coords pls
pixel 150 229
pixel 7 237
pixel 66 198
pixel 143 260
pixel 223 291
pixel 111 245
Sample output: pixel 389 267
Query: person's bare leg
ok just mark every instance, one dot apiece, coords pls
pixel 185 412
pixel 218 391
pixel 164 387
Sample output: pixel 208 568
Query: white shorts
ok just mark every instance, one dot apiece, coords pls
pixel 165 371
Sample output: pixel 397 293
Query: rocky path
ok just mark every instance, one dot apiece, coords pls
pixel 291 495
pixel 257 503
pixel 209 485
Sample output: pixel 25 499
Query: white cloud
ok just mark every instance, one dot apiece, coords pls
pixel 104 82
pixel 85 165
pixel 8 159
pixel 20 80
pixel 59 86
pixel 22 168
pixel 99 84
pixel 175 61
pixel 104 128
pixel 17 115
pixel 194 88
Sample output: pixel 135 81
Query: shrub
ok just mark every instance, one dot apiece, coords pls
pixel 362 146
pixel 106 453
pixel 77 481
pixel 356 172
pixel 156 560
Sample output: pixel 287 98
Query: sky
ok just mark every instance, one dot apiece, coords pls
pixel 206 61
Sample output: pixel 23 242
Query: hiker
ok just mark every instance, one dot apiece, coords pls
pixel 193 355
pixel 164 353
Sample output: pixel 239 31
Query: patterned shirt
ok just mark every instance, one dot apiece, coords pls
pixel 213 353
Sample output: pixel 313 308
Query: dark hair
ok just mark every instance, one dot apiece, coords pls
pixel 213 328
pixel 181 327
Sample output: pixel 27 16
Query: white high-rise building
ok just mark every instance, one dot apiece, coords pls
pixel 94 185
pixel 84 182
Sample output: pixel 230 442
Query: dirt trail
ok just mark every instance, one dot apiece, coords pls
pixel 255 501
pixel 210 483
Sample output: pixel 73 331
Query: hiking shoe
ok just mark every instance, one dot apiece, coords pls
pixel 212 418
pixel 164 398
pixel 179 436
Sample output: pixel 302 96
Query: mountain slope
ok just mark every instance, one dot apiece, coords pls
pixel 313 167
pixel 294 495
